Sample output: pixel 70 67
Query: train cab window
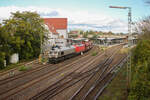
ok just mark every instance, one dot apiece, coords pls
pixel 55 52
pixel 62 53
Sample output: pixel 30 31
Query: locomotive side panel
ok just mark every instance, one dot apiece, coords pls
pixel 68 51
pixel 62 53
pixel 79 48
pixel 88 45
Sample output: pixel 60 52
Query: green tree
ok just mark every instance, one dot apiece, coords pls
pixel 4 46
pixel 110 33
pixel 2 54
pixel 26 29
pixel 95 37
pixel 91 32
pixel 22 34
pixel 81 32
pixel 85 35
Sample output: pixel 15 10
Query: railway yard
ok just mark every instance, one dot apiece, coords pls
pixel 74 50
pixel 82 77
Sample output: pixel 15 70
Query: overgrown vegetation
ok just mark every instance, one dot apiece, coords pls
pixel 103 48
pixel 140 84
pixel 94 53
pixel 116 90
pixel 124 50
pixel 21 33
pixel 24 68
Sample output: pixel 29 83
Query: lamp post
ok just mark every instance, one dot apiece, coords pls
pixel 129 42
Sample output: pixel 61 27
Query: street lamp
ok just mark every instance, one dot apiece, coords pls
pixel 129 40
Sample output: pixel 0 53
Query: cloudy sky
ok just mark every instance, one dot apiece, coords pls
pixel 81 14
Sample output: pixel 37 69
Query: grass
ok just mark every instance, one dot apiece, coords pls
pixel 102 48
pixel 24 68
pixel 116 90
pixel 11 66
pixel 124 50
pixel 94 53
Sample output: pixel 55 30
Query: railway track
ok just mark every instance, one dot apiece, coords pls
pixel 62 84
pixel 5 90
pixel 113 74
pixel 58 82
pixel 93 92
pixel 40 67
pixel 14 69
pixel 83 90
pixel 55 89
pixel 14 90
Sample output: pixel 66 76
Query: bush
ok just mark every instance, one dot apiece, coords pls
pixel 24 68
pixel 44 60
pixel 140 88
pixel 2 58
pixel 94 53
pixel 140 83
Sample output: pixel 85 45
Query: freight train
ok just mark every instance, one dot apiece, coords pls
pixel 78 46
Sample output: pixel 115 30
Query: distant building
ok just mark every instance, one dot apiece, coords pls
pixel 75 34
pixel 57 30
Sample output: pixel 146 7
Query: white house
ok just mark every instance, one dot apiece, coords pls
pixel 57 31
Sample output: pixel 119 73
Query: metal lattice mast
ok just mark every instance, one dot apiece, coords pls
pixel 129 45
pixel 129 42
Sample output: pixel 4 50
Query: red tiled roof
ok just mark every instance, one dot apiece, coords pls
pixel 56 23
pixel 51 28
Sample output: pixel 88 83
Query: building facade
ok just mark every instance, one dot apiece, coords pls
pixel 57 31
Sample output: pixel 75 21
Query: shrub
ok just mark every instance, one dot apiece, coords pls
pixel 2 58
pixel 24 68
pixel 140 84
pixel 140 89
pixel 94 53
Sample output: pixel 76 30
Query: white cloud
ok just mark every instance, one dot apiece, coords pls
pixel 77 19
